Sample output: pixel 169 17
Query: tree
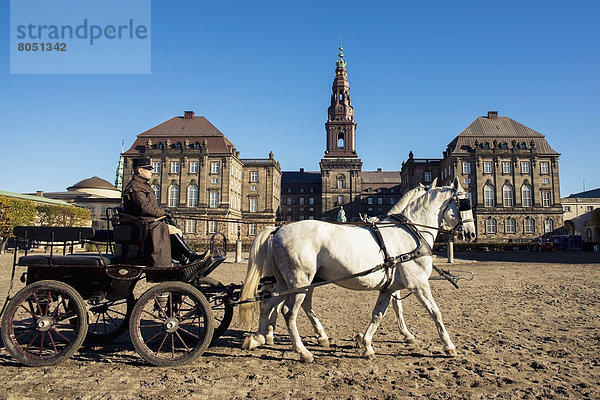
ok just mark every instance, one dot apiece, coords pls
pixel 14 212
pixel 56 215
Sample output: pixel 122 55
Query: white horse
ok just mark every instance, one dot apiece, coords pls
pixel 312 249
pixel 260 249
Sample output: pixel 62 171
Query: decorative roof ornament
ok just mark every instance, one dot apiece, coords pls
pixel 340 63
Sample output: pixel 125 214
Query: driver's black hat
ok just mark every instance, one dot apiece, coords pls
pixel 142 162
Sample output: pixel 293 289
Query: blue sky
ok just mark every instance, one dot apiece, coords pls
pixel 261 72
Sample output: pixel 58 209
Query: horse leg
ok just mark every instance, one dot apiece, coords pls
pixel 316 324
pixel 267 320
pixel 290 313
pixel 365 341
pixel 423 293
pixel 397 305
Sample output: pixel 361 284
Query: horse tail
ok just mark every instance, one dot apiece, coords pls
pixel 260 263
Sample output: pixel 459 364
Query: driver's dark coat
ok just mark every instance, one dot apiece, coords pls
pixel 139 200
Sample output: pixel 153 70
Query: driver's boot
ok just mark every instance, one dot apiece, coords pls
pixel 181 252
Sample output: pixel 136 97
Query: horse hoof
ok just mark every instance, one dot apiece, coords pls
pixel 451 352
pixel 324 342
pixel 360 343
pixel 251 342
pixel 246 344
pixel 307 358
pixel 411 339
pixel 270 341
pixel 369 355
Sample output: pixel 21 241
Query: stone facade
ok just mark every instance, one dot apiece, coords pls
pixel 199 175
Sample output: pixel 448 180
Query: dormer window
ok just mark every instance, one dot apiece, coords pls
pixel 485 145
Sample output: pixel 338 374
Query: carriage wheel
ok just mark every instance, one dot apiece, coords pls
pixel 109 319
pixel 171 324
pixel 222 311
pixel 44 323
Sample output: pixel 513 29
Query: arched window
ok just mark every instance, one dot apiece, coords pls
pixel 503 145
pixel 173 196
pixel 156 190
pixel 588 234
pixel 192 196
pixel 507 195
pixel 159 145
pixel 510 225
pixel 488 196
pixel 490 225
pixel 526 195
pixel 529 225
pixel 485 145
pixel 548 225
pixel 178 145
pixel 340 140
pixel 341 182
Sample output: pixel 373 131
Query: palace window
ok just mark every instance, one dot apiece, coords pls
pixel 214 199
pixel 214 181
pixel 289 201
pixel 526 196
pixel 215 167
pixel 548 225
pixel 174 167
pixel 369 200
pixel 544 168
pixel 510 225
pixel 341 182
pixel 156 167
pixel 506 167
pixel 173 196
pixel 427 176
pixel 487 167
pixel 466 168
pixel 252 229
pixel 253 188
pixel 301 200
pixel 340 200
pixel 190 226
pixel 193 167
pixel 529 225
pixel 488 196
pixel 192 196
pixel 311 200
pixel 253 176
pixel 546 199
pixel 524 167
pixel 490 225
pixel 507 196
pixel 253 204
pixel 212 227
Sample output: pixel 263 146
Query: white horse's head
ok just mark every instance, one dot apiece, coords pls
pixel 458 214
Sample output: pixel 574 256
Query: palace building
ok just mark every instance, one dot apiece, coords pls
pixel 510 172
pixel 199 175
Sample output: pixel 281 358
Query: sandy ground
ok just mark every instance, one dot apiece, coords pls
pixel 527 326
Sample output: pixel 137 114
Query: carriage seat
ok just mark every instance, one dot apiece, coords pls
pixel 130 236
pixel 80 259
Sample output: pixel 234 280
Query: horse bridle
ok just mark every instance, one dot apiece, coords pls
pixel 464 206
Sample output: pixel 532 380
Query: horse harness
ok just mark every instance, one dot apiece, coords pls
pixel 422 250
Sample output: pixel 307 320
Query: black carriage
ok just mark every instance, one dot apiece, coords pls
pixel 71 297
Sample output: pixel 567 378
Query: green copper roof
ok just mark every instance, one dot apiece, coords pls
pixel 36 199
pixel 340 62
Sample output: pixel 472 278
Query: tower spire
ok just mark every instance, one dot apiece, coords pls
pixel 119 173
pixel 340 126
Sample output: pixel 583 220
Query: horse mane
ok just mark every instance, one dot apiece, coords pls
pixel 405 200
pixel 426 198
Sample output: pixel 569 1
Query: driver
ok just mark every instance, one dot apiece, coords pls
pixel 139 200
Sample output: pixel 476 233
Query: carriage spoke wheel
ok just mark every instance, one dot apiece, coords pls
pixel 109 319
pixel 171 324
pixel 222 311
pixel 45 323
